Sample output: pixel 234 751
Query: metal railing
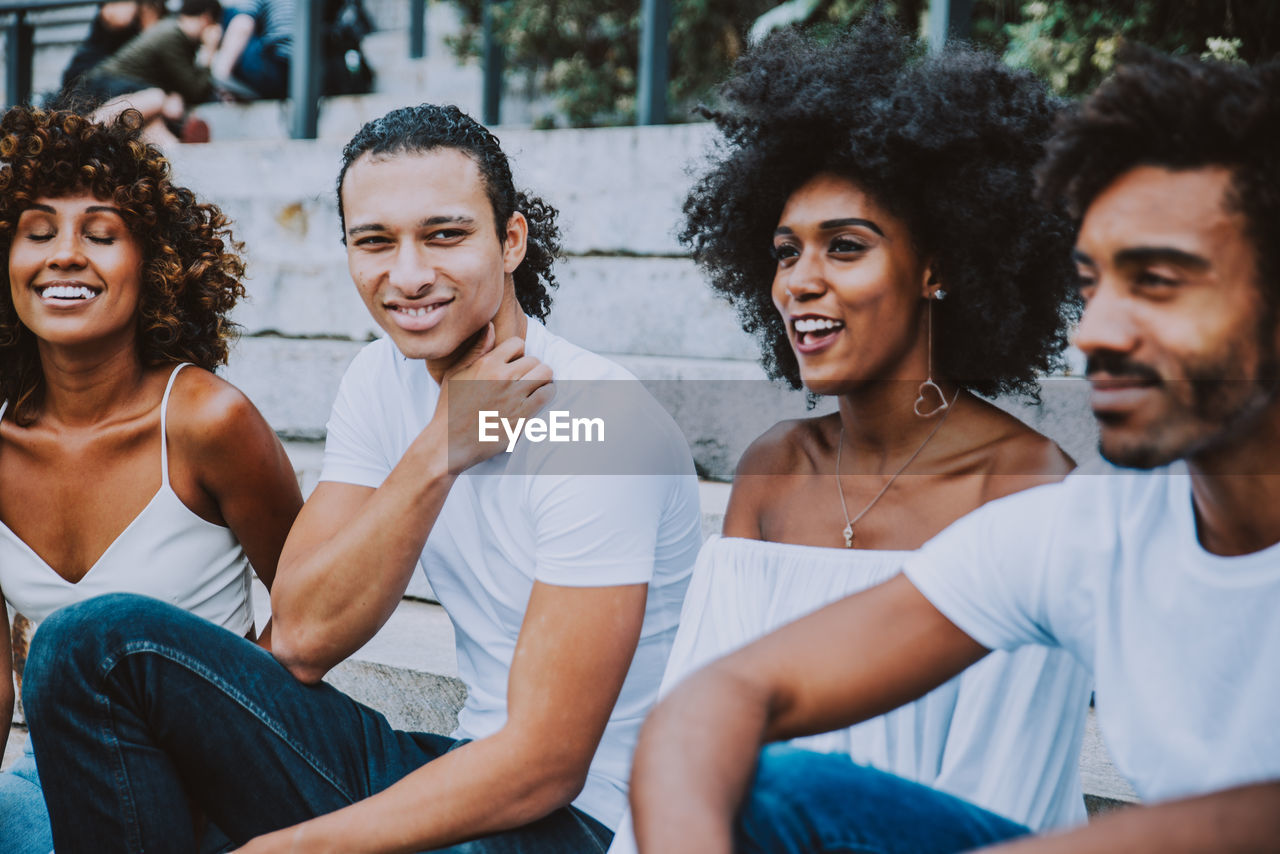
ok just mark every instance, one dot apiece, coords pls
pixel 19 47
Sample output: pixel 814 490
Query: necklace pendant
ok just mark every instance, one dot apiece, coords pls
pixel 848 536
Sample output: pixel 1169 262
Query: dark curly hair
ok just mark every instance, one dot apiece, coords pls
pixel 1180 113
pixel 945 142
pixel 191 267
pixel 427 127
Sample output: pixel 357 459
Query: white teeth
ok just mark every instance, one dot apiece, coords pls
pixel 419 312
pixel 67 292
pixel 815 324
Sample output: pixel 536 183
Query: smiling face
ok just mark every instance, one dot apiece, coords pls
pixel 849 287
pixel 423 251
pixel 75 272
pixel 1181 347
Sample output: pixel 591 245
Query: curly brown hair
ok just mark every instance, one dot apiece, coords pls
pixel 191 267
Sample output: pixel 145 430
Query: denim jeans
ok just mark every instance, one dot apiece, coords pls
pixel 24 822
pixel 821 803
pixel 260 66
pixel 141 710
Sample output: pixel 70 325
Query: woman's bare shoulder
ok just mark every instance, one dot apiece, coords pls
pixel 787 447
pixel 207 414
pixel 765 472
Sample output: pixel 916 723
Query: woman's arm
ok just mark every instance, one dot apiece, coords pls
pixel 6 677
pixel 228 465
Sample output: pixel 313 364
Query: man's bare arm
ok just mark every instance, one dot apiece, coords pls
pixel 850 661
pixel 352 550
pixel 1244 820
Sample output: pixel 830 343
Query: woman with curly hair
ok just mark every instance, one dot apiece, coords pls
pixel 871 216
pixel 125 464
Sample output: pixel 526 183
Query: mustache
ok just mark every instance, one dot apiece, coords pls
pixel 1119 365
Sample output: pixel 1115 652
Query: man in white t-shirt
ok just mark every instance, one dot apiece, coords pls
pixel 1161 577
pixel 563 568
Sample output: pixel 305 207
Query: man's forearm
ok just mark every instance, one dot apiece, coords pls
pixel 485 787
pixel 1245 820
pixel 694 761
pixel 332 595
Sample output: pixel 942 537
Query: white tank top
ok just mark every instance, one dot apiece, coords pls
pixel 166 552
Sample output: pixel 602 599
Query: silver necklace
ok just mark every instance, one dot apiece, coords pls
pixel 849 523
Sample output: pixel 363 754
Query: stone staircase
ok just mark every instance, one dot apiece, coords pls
pixel 627 290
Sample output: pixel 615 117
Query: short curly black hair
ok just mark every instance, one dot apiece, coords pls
pixel 191 270
pixel 427 127
pixel 945 142
pixel 1179 113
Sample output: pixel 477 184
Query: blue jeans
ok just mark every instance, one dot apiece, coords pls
pixel 24 821
pixel 260 66
pixel 141 711
pixel 821 803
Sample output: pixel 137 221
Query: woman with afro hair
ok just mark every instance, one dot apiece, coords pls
pixel 870 213
pixel 125 464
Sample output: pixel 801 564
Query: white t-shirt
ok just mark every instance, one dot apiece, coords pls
pixel 1184 645
pixel 529 516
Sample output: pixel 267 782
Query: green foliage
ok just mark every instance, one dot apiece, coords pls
pixel 585 54
pixel 1073 43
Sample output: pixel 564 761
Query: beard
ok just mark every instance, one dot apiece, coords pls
pixel 1212 409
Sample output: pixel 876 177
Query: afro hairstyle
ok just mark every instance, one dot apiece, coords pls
pixel 946 142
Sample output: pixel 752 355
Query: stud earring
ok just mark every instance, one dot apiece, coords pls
pixel 929 388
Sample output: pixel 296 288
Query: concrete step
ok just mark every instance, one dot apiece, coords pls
pixel 1104 787
pixel 13 746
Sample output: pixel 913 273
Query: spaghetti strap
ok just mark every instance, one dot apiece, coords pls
pixel 164 434
pixel 4 406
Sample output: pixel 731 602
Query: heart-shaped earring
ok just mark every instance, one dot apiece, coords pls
pixel 927 387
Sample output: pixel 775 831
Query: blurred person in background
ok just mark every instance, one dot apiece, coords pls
pixel 257 44
pixel 161 73
pixel 113 26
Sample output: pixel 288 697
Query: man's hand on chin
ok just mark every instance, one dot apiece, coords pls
pixel 492 378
